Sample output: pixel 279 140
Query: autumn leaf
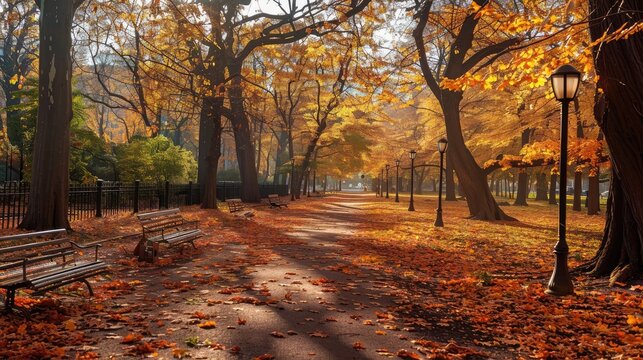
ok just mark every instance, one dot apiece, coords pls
pixel 201 316
pixel 131 338
pixel 404 354
pixel 277 334
pixel 318 334
pixel 180 353
pixel 358 346
pixel 70 325
pixel 22 329
pixel 210 324
pixel 264 357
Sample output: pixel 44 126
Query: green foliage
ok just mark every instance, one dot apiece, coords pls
pixel 229 175
pixel 154 159
pixel 88 154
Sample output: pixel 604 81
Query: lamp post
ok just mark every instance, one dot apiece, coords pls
pixel 382 182
pixel 442 148
pixel 292 180
pixel 387 167
pixel 307 182
pixel 564 81
pixel 397 180
pixel 412 155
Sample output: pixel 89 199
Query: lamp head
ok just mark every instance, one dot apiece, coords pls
pixel 565 82
pixel 412 154
pixel 442 145
pixel 397 162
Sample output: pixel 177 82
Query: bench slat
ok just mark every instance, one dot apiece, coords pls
pixel 184 237
pixel 67 272
pixel 160 213
pixel 71 279
pixel 33 235
pixel 15 276
pixel 32 245
pixel 32 260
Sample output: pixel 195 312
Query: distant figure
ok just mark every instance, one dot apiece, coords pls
pixel 365 188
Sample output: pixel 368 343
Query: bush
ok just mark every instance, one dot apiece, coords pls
pixel 154 160
pixel 229 175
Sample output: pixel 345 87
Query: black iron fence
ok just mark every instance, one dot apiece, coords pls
pixel 108 198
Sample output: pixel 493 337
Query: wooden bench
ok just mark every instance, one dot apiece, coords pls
pixel 28 261
pixel 165 227
pixel 236 206
pixel 275 201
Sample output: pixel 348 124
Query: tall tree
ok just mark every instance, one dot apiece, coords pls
pixel 241 35
pixel 619 65
pixel 523 177
pixel 49 192
pixel 473 179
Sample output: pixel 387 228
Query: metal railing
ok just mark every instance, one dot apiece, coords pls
pixel 105 198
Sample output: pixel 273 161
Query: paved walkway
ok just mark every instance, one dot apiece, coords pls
pixel 298 299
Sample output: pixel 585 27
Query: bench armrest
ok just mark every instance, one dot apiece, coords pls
pixel 96 246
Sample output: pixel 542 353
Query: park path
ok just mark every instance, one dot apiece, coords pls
pixel 302 299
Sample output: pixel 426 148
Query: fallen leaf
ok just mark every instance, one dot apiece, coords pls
pixel 319 334
pixel 208 325
pixel 358 346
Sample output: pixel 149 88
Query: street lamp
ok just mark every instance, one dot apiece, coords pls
pixel 381 182
pixel 387 167
pixel 397 180
pixel 412 155
pixel 442 148
pixel 307 182
pixel 564 81
pixel 292 180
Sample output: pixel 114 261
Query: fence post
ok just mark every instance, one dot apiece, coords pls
pixel 99 198
pixel 167 194
pixel 137 184
pixel 189 198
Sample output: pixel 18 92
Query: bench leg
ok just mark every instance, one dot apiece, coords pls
pixel 9 300
pixel 89 287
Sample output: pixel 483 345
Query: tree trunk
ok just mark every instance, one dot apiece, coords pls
pixel 49 193
pixel 281 157
pixel 211 113
pixel 482 205
pixel 498 182
pixel 578 190
pixel 553 180
pixel 541 187
pixel 243 140
pixel 419 176
pixel 259 146
pixel 523 177
pixel 206 137
pixel 620 67
pixel 593 194
pixel 449 181
pixel 523 188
